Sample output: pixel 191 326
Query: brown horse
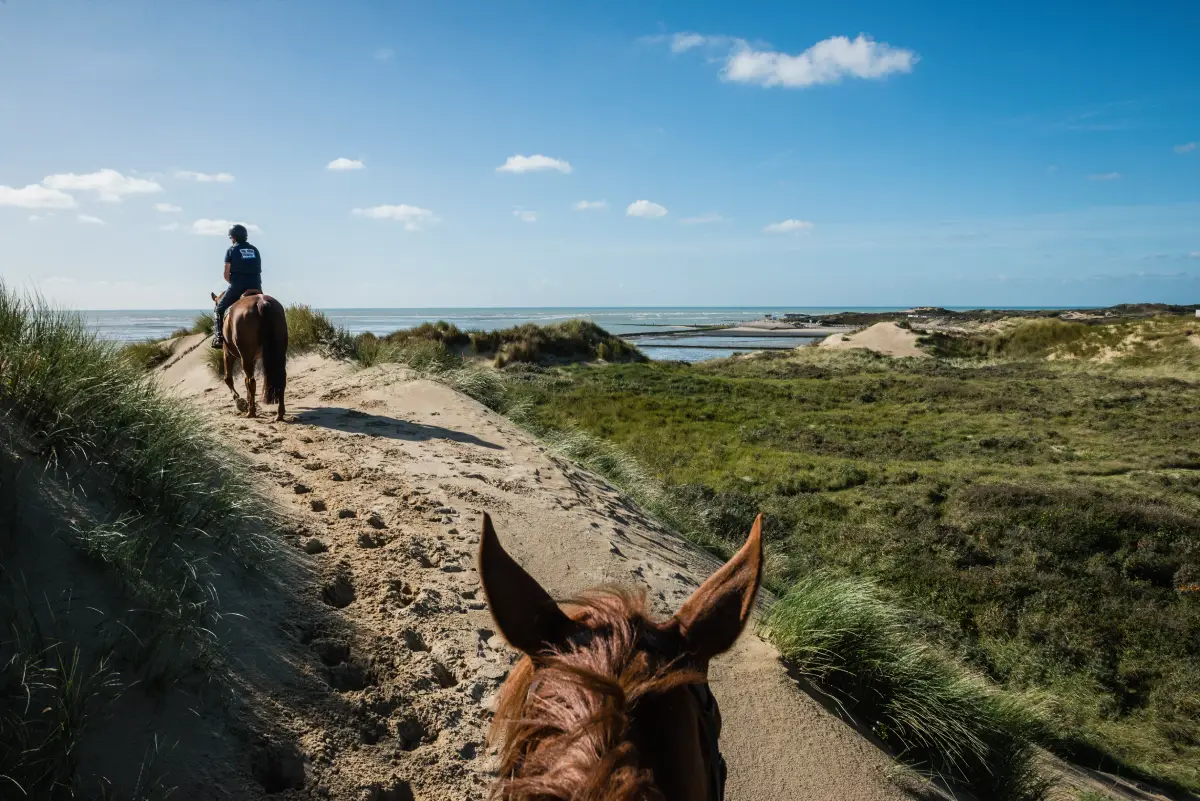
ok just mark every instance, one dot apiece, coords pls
pixel 256 324
pixel 609 704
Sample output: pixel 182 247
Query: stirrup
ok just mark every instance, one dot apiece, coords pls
pixel 218 342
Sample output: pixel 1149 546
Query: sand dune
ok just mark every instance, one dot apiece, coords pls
pixel 886 338
pixel 390 474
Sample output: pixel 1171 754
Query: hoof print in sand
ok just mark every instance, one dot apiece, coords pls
pixel 343 514
pixel 315 546
pixel 330 651
pixel 350 676
pixel 278 767
pixel 316 505
pixel 339 593
pixel 393 790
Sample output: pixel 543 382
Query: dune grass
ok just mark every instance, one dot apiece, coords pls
pixel 1038 516
pixel 146 354
pixel 845 636
pixel 177 500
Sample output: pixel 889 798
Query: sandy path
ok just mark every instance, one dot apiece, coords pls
pixel 390 476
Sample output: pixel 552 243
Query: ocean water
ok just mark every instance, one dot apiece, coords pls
pixel 134 325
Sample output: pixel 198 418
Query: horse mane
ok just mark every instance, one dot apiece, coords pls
pixel 563 718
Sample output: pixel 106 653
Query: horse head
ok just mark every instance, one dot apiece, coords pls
pixel 608 703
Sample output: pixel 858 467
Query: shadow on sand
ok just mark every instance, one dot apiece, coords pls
pixel 356 422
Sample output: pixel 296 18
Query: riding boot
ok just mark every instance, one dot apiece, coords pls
pixel 218 340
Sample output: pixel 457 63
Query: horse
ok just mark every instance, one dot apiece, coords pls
pixel 256 324
pixel 607 703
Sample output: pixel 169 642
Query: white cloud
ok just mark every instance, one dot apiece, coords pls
pixel 345 164
pixel 37 218
pixel 702 219
pixel 1186 147
pixel 525 216
pixel 681 42
pixel 1195 254
pixel 384 54
pixel 205 177
pixel 788 227
pixel 590 205
pixel 89 219
pixel 109 185
pixel 519 164
pixel 172 227
pixel 208 227
pixel 1105 176
pixel 413 217
pixel 35 196
pixel 645 209
pixel 828 61
pixel 166 207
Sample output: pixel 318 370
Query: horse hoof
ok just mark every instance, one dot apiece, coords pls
pixel 242 406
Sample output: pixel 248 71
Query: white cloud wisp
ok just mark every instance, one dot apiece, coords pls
pixel 536 163
pixel 109 185
pixel 788 227
pixel 35 196
pixel 646 209
pixel 828 61
pixel 206 227
pixel 167 208
pixel 205 177
pixel 344 164
pixel 591 205
pixel 413 217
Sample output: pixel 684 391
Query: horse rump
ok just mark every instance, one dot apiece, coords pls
pixel 274 340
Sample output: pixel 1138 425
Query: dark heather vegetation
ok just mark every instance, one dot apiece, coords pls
pixel 1034 502
pixel 98 464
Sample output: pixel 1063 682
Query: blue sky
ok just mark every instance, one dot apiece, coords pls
pixel 873 153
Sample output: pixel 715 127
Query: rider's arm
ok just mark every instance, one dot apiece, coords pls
pixel 227 267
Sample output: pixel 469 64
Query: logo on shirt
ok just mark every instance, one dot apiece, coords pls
pixel 248 253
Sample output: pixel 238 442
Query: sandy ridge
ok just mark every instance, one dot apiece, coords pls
pixel 386 477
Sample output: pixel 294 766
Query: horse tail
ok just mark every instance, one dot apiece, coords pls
pixel 274 339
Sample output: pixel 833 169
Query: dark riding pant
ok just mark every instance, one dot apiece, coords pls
pixel 238 284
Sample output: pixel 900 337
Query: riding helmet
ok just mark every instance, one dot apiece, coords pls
pixel 238 232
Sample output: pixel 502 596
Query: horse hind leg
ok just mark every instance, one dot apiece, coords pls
pixel 279 414
pixel 229 363
pixel 251 386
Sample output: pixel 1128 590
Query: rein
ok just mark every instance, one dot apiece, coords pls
pixel 710 732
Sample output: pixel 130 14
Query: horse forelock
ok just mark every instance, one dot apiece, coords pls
pixel 563 720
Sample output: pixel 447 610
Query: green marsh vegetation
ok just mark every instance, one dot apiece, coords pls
pixel 1031 497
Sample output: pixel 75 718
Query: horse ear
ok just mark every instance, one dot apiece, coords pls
pixel 527 616
pixel 711 620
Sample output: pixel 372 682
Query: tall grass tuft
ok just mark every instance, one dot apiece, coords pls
pixel 847 638
pixel 310 329
pixel 81 403
pixel 146 354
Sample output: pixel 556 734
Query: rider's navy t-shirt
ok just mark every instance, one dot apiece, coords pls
pixel 244 260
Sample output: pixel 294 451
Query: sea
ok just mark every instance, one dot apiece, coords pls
pixel 646 322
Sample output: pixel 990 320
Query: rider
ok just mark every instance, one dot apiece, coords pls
pixel 243 271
